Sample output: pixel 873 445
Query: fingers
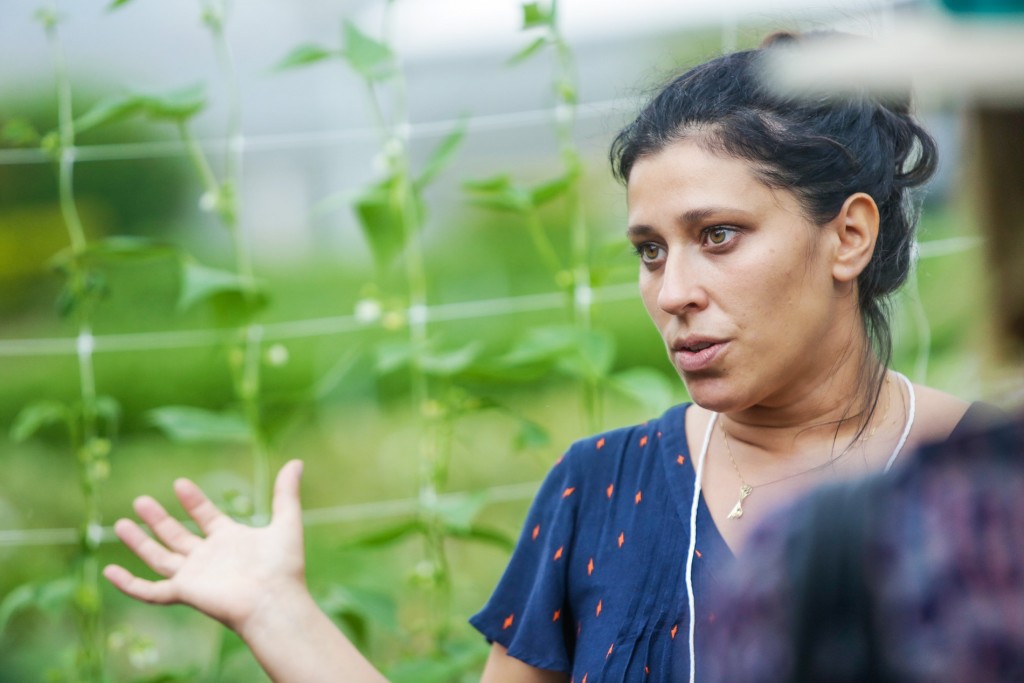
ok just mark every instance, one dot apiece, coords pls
pixel 169 530
pixel 157 557
pixel 198 506
pixel 156 592
pixel 287 508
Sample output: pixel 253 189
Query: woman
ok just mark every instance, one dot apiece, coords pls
pixel 769 233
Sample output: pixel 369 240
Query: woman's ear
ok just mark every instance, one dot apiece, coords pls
pixel 856 227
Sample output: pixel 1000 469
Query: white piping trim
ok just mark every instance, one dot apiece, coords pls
pixel 693 542
pixel 911 414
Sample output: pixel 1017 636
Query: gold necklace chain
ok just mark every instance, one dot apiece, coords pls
pixel 746 489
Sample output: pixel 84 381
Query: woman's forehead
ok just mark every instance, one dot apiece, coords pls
pixel 685 177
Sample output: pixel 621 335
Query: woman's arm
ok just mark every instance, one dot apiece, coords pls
pixel 504 669
pixel 252 580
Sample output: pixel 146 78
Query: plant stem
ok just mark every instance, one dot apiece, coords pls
pixel 582 293
pixel 434 449
pixel 89 659
pixel 248 348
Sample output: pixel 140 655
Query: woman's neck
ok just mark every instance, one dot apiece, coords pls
pixel 833 405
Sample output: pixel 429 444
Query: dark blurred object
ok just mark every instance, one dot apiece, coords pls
pixel 999 170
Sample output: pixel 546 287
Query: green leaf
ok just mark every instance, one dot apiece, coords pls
pixel 531 435
pixel 528 51
pixel 199 282
pixel 594 354
pixel 117 4
pixel 382 214
pixel 392 355
pixel 371 59
pixel 304 55
pixel 447 364
pixel 175 106
pixel 450 664
pixel 646 385
pixel 109 410
pixel 442 155
pixel 385 536
pixel 535 15
pixel 117 249
pixel 498 193
pixel 372 606
pixel 35 416
pixel 486 535
pixel 20 133
pixel 540 344
pixel 458 511
pixel 544 192
pixel 186 424
pixel 49 596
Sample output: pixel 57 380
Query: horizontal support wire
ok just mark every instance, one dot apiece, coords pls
pixel 319 327
pixel 298 329
pixel 315 139
pixel 339 514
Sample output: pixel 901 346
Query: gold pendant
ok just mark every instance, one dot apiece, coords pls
pixel 737 511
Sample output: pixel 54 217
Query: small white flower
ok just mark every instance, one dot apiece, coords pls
pixel 277 355
pixel 368 310
pixel 208 201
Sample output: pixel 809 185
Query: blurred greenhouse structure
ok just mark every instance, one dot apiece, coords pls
pixel 401 259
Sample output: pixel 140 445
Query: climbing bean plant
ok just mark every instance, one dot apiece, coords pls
pixel 446 383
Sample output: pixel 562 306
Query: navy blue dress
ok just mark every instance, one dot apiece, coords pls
pixel 596 586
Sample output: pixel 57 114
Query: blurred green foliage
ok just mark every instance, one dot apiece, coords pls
pixel 507 384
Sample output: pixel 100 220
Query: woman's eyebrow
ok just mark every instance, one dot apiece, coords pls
pixel 689 217
pixel 640 231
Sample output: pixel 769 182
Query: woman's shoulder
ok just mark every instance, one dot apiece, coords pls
pixel 937 413
pixel 620 442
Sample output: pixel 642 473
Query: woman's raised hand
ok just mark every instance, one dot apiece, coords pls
pixel 234 573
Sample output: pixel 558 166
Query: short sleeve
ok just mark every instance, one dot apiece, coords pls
pixel 528 612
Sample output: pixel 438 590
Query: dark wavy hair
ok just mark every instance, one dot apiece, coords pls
pixel 822 149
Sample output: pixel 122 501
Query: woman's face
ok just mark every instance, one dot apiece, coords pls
pixel 736 279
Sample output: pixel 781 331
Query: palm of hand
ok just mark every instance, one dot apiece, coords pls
pixel 232 571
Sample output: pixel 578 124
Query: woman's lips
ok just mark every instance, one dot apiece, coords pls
pixel 695 361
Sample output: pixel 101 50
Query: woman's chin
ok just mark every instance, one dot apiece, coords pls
pixel 715 395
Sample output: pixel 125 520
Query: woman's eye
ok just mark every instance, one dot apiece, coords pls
pixel 719 235
pixel 649 252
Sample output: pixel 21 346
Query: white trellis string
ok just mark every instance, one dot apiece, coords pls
pixel 316 327
pixel 339 514
pixel 298 329
pixel 315 139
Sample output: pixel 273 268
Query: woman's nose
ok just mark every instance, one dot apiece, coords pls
pixel 682 288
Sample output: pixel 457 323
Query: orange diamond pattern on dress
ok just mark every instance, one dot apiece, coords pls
pixel 590 567
pixel 508 622
pixel 675 629
pixel 558 553
pixel 557 615
pixel 610 489
pixel 639 496
pixel 680 459
pixel 643 441
pixel 568 492
pixel 609 653
pixel 600 443
pixel 622 538
pixel 600 606
pixel 536 532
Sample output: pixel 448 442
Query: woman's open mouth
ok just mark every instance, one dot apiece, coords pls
pixel 694 355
